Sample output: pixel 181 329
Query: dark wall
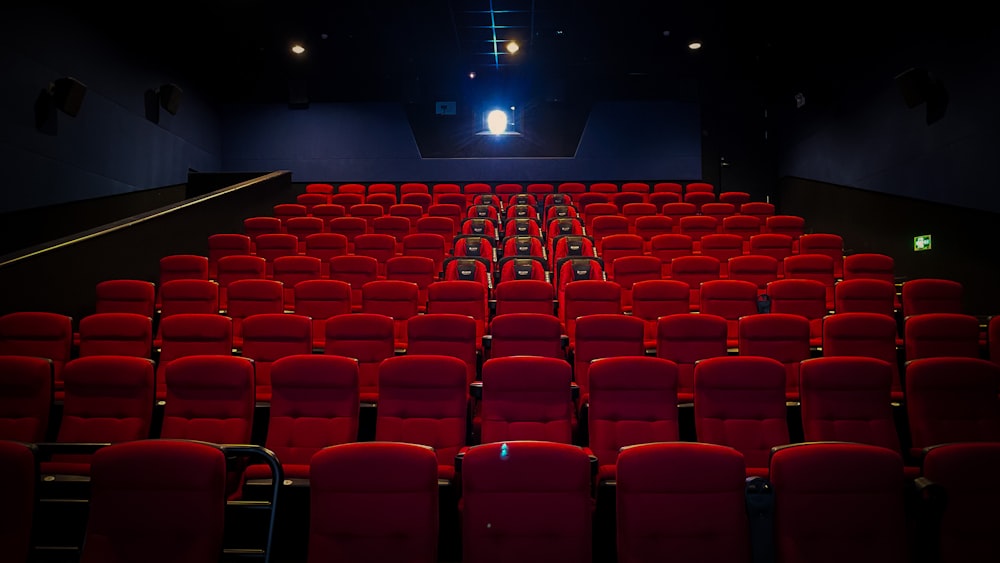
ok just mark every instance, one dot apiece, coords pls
pixel 964 245
pixel 374 143
pixel 855 128
pixel 62 277
pixel 109 148
pixel 29 227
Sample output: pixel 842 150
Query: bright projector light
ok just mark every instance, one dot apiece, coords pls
pixel 496 121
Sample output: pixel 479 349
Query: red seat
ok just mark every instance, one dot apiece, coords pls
pixel 739 401
pixel 19 475
pixel 314 404
pixel 348 226
pixel 603 335
pixel 369 338
pixel 226 244
pixel 695 269
pixel 134 488
pixel 191 334
pixel 633 400
pixel 723 246
pixel 781 336
pixel 424 399
pixel 461 297
pixel 232 268
pixel 125 296
pixel 325 246
pixel 733 300
pixel 847 399
pixel 667 247
pixel 268 337
pixel 374 501
pixel 25 398
pixel 397 299
pixel 803 297
pixel 292 270
pixel 819 267
pixel 209 398
pixel 538 492
pixel 686 339
pixel 633 269
pixel 319 300
pixel 252 297
pixel 864 334
pixel 187 296
pixel 123 334
pixel 445 334
pixel 524 296
pixel 967 475
pixel 697 492
pixel 108 399
pixel 932 295
pixel 302 227
pixel 652 299
pixel 39 333
pixel 951 399
pixel 507 411
pixel 357 271
pixel 526 334
pixel 941 334
pixel 380 246
pixel 855 489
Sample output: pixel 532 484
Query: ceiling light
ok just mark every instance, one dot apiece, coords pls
pixel 298 49
pixel 513 47
pixel 472 75
pixel 694 45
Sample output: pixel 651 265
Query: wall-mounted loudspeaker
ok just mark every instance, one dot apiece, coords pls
pixel 170 98
pixel 917 87
pixel 914 84
pixel 67 95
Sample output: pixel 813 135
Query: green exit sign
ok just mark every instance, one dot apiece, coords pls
pixel 922 242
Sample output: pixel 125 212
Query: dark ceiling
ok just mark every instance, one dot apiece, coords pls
pixel 415 50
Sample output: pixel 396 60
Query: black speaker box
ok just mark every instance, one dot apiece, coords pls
pixel 67 95
pixel 170 98
pixel 914 84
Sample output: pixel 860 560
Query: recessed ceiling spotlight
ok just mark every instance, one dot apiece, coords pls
pixel 513 47
pixel 472 75
pixel 694 45
pixel 298 49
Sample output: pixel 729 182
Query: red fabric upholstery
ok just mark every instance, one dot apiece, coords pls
pixel 836 502
pixel 967 473
pixel 739 401
pixel 782 336
pixel 367 337
pixel 526 501
pixel 108 399
pixel 633 400
pixel 150 492
pixel 681 500
pixel 952 399
pixel 508 415
pixel 685 339
pixel 268 337
pixel 209 398
pixel 18 478
pixel 314 404
pixel 424 399
pixel 25 397
pixel 373 501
